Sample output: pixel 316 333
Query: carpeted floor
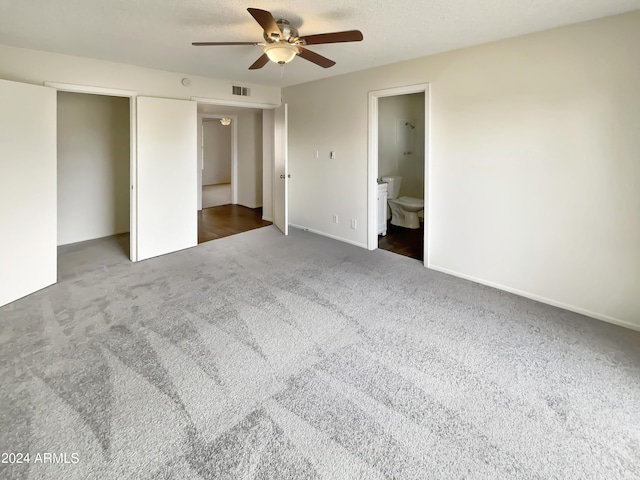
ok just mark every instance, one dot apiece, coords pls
pixel 259 356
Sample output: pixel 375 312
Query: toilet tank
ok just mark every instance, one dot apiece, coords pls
pixel 393 190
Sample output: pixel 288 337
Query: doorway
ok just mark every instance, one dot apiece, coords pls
pixel 230 177
pixel 398 170
pixel 401 172
pixel 218 159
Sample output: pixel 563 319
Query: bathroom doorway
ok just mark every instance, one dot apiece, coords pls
pixel 398 166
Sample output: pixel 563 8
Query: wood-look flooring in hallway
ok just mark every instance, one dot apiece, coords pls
pixel 225 220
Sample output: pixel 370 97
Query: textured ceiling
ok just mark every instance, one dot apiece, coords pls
pixel 158 33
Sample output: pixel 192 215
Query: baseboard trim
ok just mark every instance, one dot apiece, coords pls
pixel 248 206
pixel 538 298
pixel 267 219
pixel 93 238
pixel 334 237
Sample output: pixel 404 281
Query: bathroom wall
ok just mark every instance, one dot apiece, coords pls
pixel 93 166
pixel 401 148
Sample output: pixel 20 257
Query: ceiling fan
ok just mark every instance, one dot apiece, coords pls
pixel 282 42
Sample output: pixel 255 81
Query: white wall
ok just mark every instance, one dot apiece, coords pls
pixel 34 66
pixel 395 141
pixel 534 171
pixel 268 153
pixel 216 154
pixel 250 159
pixel 93 166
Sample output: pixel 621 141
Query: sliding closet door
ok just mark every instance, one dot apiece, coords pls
pixel 167 180
pixel 28 236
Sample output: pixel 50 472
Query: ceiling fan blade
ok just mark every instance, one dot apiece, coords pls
pixel 313 57
pixel 261 62
pixel 205 44
pixel 336 37
pixel 266 21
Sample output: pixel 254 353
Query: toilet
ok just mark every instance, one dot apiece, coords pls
pixel 404 210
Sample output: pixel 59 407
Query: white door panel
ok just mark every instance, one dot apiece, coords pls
pixel 28 184
pixel 281 170
pixel 167 163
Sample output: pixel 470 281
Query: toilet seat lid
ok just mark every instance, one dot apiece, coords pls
pixel 411 201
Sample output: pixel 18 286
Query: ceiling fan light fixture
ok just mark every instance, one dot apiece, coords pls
pixel 281 52
pixel 282 41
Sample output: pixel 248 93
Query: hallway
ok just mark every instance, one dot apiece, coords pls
pixel 216 195
pixel 225 220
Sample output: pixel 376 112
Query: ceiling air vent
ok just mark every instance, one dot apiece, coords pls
pixel 242 91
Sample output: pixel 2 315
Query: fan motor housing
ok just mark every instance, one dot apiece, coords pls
pixel 289 33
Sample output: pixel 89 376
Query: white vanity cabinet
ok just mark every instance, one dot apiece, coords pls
pixel 382 208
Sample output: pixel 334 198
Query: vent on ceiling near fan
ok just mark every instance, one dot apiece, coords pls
pixel 242 91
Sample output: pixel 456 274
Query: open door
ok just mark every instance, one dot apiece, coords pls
pixel 167 163
pixel 281 171
pixel 28 185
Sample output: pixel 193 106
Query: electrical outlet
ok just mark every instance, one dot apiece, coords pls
pixel 332 155
pixel 335 219
pixel 354 224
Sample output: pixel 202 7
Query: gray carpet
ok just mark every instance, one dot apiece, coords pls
pixel 259 356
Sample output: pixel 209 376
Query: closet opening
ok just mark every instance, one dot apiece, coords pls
pixel 93 180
